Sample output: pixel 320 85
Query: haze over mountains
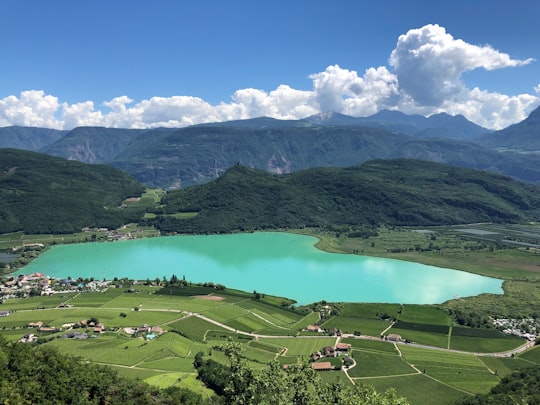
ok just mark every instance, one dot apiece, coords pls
pixel 181 157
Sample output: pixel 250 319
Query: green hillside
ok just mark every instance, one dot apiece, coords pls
pixel 522 137
pixel 40 193
pixel 28 138
pixel 389 192
pixel 92 144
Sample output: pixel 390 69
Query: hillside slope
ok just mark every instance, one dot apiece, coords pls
pixel 40 193
pixel 390 192
pixel 28 138
pixel 92 144
pixel 522 137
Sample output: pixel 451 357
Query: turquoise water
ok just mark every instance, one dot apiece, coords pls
pixel 273 263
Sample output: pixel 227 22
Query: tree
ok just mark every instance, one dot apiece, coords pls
pixel 299 385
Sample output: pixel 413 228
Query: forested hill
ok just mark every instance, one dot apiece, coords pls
pixel 391 192
pixel 40 193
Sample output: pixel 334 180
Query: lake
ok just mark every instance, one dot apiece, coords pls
pixel 274 263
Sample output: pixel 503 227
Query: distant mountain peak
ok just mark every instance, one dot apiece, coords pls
pixel 327 116
pixel 534 116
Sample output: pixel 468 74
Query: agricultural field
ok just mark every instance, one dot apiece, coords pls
pixel 425 314
pixel 419 389
pixel 373 364
pixel 202 319
pixel 464 372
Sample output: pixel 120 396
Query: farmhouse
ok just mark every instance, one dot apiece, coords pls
pixel 99 327
pixel 394 337
pixel 316 356
pixel 343 347
pixel 329 351
pixel 28 338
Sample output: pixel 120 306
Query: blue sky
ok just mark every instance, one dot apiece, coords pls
pixel 132 63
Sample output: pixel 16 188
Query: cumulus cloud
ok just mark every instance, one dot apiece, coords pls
pixel 81 115
pixel 32 108
pixel 342 90
pixel 429 63
pixel 423 77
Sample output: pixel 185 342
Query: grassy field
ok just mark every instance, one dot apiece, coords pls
pixel 372 364
pixel 484 345
pixel 425 314
pixel 532 356
pixel 195 328
pixel 462 371
pixel 419 389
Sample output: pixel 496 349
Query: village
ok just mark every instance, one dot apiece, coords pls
pixel 86 328
pixel 37 284
pixel 526 328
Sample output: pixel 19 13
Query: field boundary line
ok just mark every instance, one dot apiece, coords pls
pixel 405 361
pixel 385 376
pixel 387 329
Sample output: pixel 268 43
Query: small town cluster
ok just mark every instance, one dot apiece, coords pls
pixel 528 328
pixel 35 284
pixel 84 329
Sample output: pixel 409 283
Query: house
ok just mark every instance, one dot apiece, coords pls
pixel 316 356
pixel 3 314
pixel 343 347
pixel 313 328
pixel 322 366
pixel 329 351
pixel 334 332
pixel 37 324
pixel 28 338
pixel 394 337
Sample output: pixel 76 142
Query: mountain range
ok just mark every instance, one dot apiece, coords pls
pixel 175 158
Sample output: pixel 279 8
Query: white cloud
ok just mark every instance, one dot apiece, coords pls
pixel 424 77
pixel 282 103
pixel 429 63
pixel 32 108
pixel 81 115
pixel 492 110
